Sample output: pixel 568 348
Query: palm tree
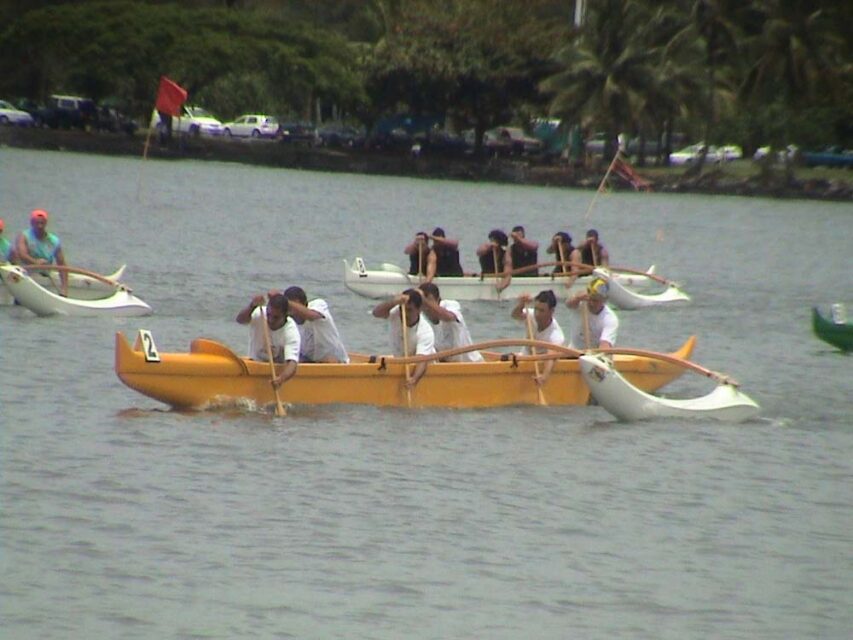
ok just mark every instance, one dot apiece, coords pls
pixel 799 52
pixel 715 23
pixel 606 70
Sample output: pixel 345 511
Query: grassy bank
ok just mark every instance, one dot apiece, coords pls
pixel 740 177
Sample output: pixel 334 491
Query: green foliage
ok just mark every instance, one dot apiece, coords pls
pixel 478 61
pixel 122 48
pixel 727 71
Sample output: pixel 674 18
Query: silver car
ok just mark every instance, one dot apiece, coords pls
pixel 252 125
pixel 9 114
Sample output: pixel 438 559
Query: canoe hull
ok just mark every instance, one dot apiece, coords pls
pixel 210 374
pixel 619 397
pixel 44 302
pixel 839 335
pixel 80 286
pixel 384 283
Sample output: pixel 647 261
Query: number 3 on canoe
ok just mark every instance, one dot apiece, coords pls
pixel 145 343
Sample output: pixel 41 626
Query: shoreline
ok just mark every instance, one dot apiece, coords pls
pixel 712 181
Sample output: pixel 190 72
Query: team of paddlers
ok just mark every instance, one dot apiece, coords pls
pixel 289 329
pixel 434 254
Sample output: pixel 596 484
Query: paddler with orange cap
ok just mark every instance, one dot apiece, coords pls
pixel 37 245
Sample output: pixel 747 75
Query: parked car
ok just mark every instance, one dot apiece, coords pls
pixel 299 133
pixel 444 142
pixel 395 139
pixel 690 154
pixel 594 145
pixel 788 153
pixel 727 153
pixel 652 147
pixel 67 112
pixel 252 125
pixel 511 140
pixel 340 136
pixel 112 120
pixel 687 155
pixel 11 115
pixel 194 121
pixel 832 156
pixel 30 106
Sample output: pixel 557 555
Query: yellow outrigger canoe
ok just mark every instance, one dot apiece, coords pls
pixel 211 374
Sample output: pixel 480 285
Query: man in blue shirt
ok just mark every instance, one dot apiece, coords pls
pixel 37 245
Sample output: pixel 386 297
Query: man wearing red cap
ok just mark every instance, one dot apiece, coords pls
pixel 37 245
pixel 7 249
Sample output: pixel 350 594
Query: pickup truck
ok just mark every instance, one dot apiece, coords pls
pixel 67 112
pixel 194 121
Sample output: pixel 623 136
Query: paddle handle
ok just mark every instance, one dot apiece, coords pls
pixel 650 276
pixel 67 269
pixel 687 364
pixel 586 332
pixel 528 315
pixel 279 407
pixel 405 329
pixel 562 255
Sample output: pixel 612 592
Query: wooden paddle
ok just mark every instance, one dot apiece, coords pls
pixel 78 270
pixel 279 407
pixel 586 334
pixel 528 314
pixel 407 368
pixel 562 255
pixel 585 268
pixel 650 276
pixel 687 364
pixel 555 351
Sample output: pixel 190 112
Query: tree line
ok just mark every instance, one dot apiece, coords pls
pixel 750 72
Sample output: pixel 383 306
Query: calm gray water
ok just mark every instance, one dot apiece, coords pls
pixel 120 519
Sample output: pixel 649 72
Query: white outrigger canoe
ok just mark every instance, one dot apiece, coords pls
pixel 80 285
pixel 389 280
pixel 43 302
pixel 626 298
pixel 628 403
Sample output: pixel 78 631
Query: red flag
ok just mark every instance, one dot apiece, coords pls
pixel 170 97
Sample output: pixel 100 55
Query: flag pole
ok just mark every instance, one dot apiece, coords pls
pixel 170 97
pixel 142 164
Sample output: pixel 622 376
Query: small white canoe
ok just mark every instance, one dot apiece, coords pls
pixel 43 302
pixel 628 403
pixel 80 286
pixel 389 280
pixel 626 298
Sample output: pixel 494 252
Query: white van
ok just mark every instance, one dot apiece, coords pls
pixel 193 121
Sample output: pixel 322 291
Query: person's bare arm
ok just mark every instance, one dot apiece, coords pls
pixel 545 372
pixel 507 272
pixel 63 275
pixel 244 316
pixel 440 312
pixel 383 309
pixel 432 266
pixel 300 311
pixel 417 374
pixel 518 310
pixel 287 372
